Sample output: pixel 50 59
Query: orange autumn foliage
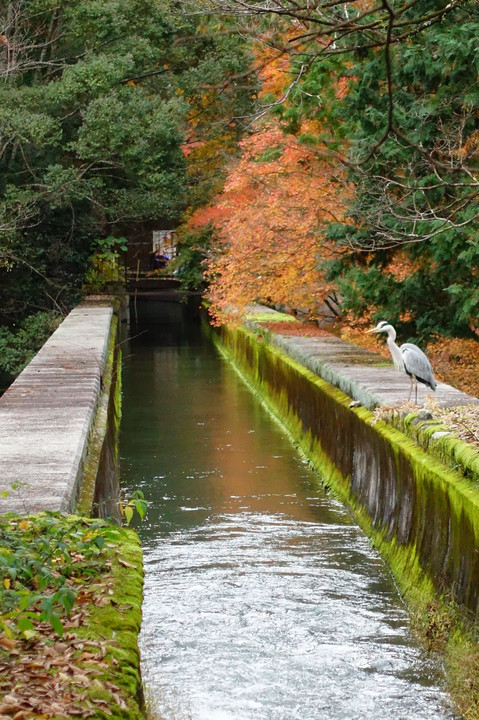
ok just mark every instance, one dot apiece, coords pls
pixel 273 69
pixel 455 361
pixel 270 217
pixel 206 160
pixel 401 266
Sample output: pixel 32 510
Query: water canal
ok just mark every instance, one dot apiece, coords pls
pixel 263 601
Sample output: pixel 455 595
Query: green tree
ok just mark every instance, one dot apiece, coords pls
pixel 412 131
pixel 393 87
pixel 17 346
pixel 94 106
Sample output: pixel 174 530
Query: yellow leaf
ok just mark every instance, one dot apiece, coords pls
pixel 7 583
pixel 128 514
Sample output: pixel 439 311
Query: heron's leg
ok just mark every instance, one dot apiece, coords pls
pixel 410 388
pixel 416 389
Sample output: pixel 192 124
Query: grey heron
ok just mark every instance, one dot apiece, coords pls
pixel 408 358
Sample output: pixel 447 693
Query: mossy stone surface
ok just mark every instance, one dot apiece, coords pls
pixel 118 622
pixel 269 316
pixel 420 512
pixel 404 497
pixel 104 417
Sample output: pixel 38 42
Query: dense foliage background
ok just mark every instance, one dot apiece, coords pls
pixel 301 151
pixel 386 96
pixel 98 101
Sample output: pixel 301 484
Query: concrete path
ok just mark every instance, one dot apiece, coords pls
pixel 46 415
pixel 361 374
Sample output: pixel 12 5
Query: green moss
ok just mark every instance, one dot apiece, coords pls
pixel 118 622
pixel 448 449
pixel 111 384
pixel 457 452
pixel 269 317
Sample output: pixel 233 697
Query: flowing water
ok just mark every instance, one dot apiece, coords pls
pixel 263 600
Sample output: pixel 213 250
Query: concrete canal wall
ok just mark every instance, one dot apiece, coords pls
pixel 59 419
pixel 58 452
pixel 414 490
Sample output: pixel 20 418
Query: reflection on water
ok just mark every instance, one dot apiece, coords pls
pixel 262 599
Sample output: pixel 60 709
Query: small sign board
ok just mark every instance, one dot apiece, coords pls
pixel 166 240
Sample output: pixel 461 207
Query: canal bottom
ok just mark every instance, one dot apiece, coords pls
pixel 263 600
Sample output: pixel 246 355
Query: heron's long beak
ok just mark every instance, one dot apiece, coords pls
pixel 372 330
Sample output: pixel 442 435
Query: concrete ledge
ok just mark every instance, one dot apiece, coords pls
pixel 47 413
pixel 370 381
pixel 363 375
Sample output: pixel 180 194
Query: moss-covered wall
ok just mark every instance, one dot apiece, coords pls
pixel 99 489
pixel 118 623
pixel 422 514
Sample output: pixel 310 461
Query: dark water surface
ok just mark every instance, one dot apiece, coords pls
pixel 263 601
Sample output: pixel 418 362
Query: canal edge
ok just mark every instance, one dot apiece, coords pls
pixel 444 625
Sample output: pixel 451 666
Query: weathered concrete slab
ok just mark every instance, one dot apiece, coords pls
pixel 364 376
pixel 46 415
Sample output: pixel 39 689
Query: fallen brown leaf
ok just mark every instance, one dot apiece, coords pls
pixel 81 679
pixel 22 715
pixel 7 644
pixel 126 564
pixel 9 708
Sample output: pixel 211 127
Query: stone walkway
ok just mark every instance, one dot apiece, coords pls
pixel 361 374
pixel 46 415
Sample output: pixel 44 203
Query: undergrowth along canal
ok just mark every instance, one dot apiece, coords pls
pixel 262 598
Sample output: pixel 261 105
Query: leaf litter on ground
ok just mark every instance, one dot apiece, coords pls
pixel 44 675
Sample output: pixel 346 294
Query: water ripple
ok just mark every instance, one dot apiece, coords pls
pixel 263 601
pixel 257 616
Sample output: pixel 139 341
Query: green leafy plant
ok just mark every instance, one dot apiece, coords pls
pixel 193 250
pixel 105 266
pixel 136 503
pixel 44 559
pixel 19 344
pixel 110 244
